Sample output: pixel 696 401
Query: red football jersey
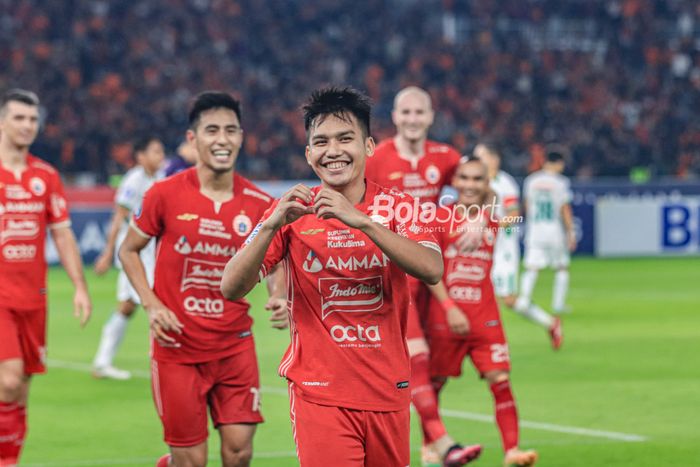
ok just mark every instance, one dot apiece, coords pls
pixel 29 202
pixel 348 305
pixel 421 178
pixel 196 238
pixel 467 277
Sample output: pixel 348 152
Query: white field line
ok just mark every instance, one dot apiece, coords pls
pixel 572 430
pixel 147 460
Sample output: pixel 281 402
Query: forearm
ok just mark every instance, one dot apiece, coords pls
pixel 568 219
pixel 242 271
pixel 417 260
pixel 69 254
pixel 115 225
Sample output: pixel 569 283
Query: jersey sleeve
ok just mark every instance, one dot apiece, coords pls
pixel 127 194
pixel 566 195
pixel 277 249
pixel 57 207
pixel 414 229
pixel 148 220
pixel 451 162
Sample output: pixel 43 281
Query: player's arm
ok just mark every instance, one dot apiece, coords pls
pixel 277 301
pixel 161 319
pixel 458 322
pixel 104 261
pixel 567 218
pixel 69 254
pixel 415 259
pixel 243 271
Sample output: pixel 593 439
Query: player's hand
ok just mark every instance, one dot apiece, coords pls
pixel 82 306
pixel 103 263
pixel 162 321
pixel 279 318
pixel 459 324
pixel 292 205
pixel 471 236
pixel 331 204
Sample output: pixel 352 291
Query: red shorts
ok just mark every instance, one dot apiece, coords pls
pixel 23 335
pixel 229 386
pixel 418 309
pixel 485 344
pixel 329 435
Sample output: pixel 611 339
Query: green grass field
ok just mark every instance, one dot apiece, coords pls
pixel 623 391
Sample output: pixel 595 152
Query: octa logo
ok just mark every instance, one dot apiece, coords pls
pixel 204 305
pixel 353 333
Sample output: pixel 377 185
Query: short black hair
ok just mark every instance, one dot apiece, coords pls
pixel 339 102
pixel 493 147
pixel 213 100
pixel 141 143
pixel 19 95
pixel 556 153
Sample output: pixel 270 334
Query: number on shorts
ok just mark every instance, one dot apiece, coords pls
pixel 256 399
pixel 499 353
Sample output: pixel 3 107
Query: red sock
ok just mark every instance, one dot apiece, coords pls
pixel 13 428
pixel 424 400
pixel 506 414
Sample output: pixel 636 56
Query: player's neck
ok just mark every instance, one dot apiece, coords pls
pixel 13 158
pixel 353 192
pixel 217 186
pixel 414 149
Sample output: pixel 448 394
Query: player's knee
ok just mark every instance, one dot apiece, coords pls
pixel 11 385
pixel 509 301
pixel 497 376
pixel 237 456
pixel 127 308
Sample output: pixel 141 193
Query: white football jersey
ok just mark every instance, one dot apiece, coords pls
pixel 508 193
pixel 545 193
pixel 130 196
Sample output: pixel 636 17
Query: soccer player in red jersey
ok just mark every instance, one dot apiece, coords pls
pixel 31 199
pixel 411 163
pixel 464 317
pixel 203 354
pixel 347 364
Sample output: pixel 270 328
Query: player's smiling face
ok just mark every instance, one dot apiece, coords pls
pixel 337 150
pixel 471 182
pixel 413 116
pixel 19 124
pixel 218 138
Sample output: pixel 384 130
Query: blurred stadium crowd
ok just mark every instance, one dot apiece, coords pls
pixel 617 80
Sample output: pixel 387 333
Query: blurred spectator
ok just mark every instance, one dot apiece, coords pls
pixel 618 80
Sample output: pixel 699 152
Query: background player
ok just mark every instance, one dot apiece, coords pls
pixel 31 199
pixel 411 163
pixel 203 354
pixel 506 259
pixel 347 364
pixel 549 232
pixel 185 158
pixel 149 160
pixel 464 318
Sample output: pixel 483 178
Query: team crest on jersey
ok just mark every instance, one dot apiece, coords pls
pixel 37 186
pixel 432 174
pixel 395 175
pixel 312 263
pixel 242 225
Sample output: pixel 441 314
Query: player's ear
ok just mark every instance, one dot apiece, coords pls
pixel 190 135
pixel 307 153
pixel 369 146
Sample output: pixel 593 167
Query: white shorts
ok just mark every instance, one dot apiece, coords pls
pixel 555 256
pixel 504 273
pixel 125 291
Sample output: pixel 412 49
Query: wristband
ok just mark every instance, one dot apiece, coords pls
pixel 447 303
